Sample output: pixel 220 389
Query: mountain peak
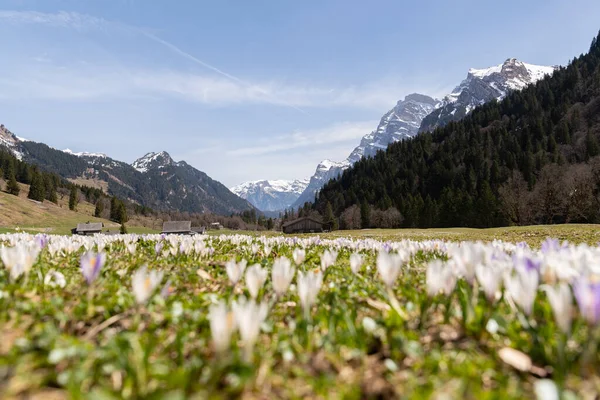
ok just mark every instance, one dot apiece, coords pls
pixel 271 195
pixel 153 160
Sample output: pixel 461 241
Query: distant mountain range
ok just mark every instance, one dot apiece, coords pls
pixel 418 113
pixel 274 195
pixel 154 180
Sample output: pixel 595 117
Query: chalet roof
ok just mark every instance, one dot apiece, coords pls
pixel 301 219
pixel 177 226
pixel 90 227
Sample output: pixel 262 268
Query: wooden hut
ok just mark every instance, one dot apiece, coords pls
pixel 177 228
pixel 303 225
pixel 89 228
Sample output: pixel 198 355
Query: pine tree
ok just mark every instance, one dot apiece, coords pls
pixel 36 189
pixel 12 186
pixel 99 208
pixel 330 220
pixel 123 229
pixel 365 215
pixel 73 198
pixel 50 189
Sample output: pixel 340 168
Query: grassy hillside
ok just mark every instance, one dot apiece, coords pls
pixel 32 216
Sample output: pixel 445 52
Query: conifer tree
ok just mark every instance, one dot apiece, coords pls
pixel 73 198
pixel 36 189
pixel 330 220
pixel 123 229
pixel 365 215
pixel 99 208
pixel 12 186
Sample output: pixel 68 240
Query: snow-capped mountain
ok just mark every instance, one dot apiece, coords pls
pixel 401 122
pixel 272 195
pixel 483 85
pixel 10 141
pixel 418 113
pixel 154 180
pixel 85 154
pixel 153 160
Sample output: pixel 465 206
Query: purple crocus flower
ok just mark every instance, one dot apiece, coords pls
pixel 158 247
pixel 387 247
pixel 550 245
pixel 91 264
pixel 42 240
pixel 587 294
pixel 522 245
pixel 527 262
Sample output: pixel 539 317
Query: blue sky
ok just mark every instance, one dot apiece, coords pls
pixel 248 90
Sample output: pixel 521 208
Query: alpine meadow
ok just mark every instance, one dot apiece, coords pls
pixel 309 200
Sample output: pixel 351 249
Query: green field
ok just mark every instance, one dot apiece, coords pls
pixel 357 338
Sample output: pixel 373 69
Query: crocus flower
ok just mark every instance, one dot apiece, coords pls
pixel 91 264
pixel 522 287
pixel 356 261
pixel 561 302
pixel 309 285
pixel 144 283
pixel 328 258
pixel 439 277
pixel 389 266
pixel 54 278
pixel 249 316
pixel 255 279
pixel 222 325
pixel 298 255
pixel 235 270
pixel 489 277
pixel 282 274
pixel 19 259
pixel 587 294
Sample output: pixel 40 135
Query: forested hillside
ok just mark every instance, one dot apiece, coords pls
pixel 531 158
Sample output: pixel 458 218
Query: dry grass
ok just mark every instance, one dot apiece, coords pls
pixel 23 213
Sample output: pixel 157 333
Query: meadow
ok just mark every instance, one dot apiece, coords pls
pixel 362 314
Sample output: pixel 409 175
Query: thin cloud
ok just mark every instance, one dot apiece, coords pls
pixel 341 132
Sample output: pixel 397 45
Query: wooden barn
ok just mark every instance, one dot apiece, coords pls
pixel 89 228
pixel 177 228
pixel 303 225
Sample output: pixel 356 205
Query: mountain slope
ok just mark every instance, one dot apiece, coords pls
pixel 273 195
pixel 533 157
pixel 164 185
pixel 481 86
pixel 401 122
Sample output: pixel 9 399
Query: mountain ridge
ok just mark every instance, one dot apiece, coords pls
pixel 164 185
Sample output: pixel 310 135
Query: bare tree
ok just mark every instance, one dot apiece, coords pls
pixel 579 184
pixel 550 194
pixel 516 200
pixel 350 218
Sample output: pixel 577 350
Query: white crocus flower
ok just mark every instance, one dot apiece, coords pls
pixel 309 285
pixel 328 258
pixel 489 277
pixel 222 325
pixel 235 270
pixel 255 279
pixel 522 288
pixel 356 261
pixel 561 301
pixel 439 277
pixel 144 283
pixel 19 259
pixel 389 266
pixel 298 255
pixel 54 278
pixel 282 274
pixel 249 316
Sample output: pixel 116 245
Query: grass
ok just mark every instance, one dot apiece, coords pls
pixel 21 213
pixel 358 340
